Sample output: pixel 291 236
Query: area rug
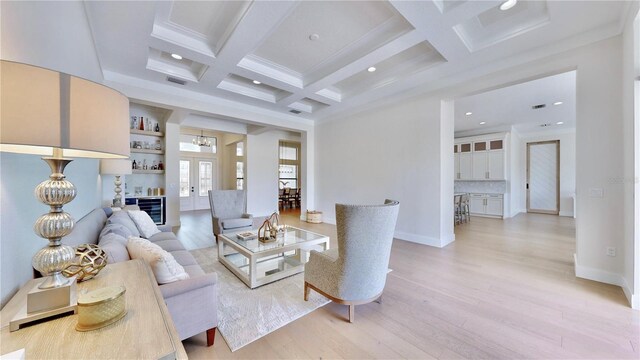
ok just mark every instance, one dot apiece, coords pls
pixel 245 315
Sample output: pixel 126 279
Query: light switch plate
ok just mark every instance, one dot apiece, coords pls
pixel 596 192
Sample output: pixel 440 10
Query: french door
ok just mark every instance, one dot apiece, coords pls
pixel 197 177
pixel 543 177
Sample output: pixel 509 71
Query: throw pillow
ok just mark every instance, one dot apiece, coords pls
pixel 145 224
pixel 117 229
pixel 122 218
pixel 115 246
pixel 164 266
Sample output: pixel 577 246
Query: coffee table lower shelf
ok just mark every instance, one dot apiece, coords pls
pixel 260 268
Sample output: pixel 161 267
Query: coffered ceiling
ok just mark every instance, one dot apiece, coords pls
pixel 311 58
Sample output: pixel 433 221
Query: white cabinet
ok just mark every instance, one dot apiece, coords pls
pixel 476 203
pixel 480 158
pixel 465 171
pixel 462 161
pixel 486 204
pixel 494 205
pixel 480 166
pixel 495 165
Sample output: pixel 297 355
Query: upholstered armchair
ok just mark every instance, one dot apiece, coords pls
pixel 355 273
pixel 228 211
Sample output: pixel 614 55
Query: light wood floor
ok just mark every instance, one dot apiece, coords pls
pixel 503 289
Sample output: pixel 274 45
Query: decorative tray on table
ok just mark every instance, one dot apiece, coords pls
pixel 247 235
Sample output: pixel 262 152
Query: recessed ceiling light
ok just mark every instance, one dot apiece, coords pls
pixel 371 69
pixel 557 103
pixel 560 123
pixel 176 56
pixel 508 4
pixel 468 113
pixel 314 37
pixel 257 82
pixel 482 122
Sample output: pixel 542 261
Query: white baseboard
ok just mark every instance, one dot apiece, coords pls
pixel 424 240
pixel 596 274
pixel 566 213
pixel 327 220
pixel 634 300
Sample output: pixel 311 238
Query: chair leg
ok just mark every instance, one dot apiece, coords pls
pixel 211 336
pixel 351 312
pixel 306 291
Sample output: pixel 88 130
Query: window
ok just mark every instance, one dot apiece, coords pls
pixel 184 178
pixel 186 144
pixel 206 178
pixel 288 169
pixel 240 165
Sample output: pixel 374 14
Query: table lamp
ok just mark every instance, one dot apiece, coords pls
pixel 57 115
pixel 117 167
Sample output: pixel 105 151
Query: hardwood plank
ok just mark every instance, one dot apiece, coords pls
pixel 503 289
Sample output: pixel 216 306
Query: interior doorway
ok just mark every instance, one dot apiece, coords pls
pixel 197 177
pixel 543 177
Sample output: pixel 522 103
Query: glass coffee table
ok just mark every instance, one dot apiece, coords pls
pixel 257 263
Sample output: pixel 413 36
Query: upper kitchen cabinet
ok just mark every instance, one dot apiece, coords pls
pixel 484 159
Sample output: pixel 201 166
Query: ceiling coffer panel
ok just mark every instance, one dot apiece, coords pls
pixel 243 86
pixel 414 59
pixel 319 37
pixel 184 69
pixel 494 25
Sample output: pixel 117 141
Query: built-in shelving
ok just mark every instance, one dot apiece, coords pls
pixel 147 151
pixel 149 133
pixel 148 171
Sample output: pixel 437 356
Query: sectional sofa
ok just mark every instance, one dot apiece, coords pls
pixel 192 302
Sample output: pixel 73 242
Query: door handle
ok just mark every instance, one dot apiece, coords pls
pixel 192 189
pixel 527 186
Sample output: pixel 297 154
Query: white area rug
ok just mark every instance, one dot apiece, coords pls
pixel 245 315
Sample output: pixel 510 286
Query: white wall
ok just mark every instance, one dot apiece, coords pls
pixel 19 210
pixel 397 152
pixel 62 41
pixel 262 171
pixel 631 114
pixel 567 168
pixel 172 172
pixel 517 202
pixel 391 152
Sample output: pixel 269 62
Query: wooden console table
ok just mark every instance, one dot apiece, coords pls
pixel 146 332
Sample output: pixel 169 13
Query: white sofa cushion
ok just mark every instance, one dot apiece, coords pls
pixel 164 266
pixel 123 218
pixel 144 223
pixel 115 246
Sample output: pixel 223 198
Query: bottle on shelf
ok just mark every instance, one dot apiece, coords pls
pixel 155 165
pixel 134 166
pixel 148 126
pixel 134 122
pixel 144 164
pixel 141 123
pixel 160 165
pixel 157 129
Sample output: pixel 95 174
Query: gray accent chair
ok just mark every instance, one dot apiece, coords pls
pixel 356 272
pixel 229 211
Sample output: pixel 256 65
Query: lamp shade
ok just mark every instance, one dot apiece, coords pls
pixel 42 110
pixel 115 166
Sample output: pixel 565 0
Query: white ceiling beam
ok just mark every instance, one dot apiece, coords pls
pixel 260 20
pixel 436 27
